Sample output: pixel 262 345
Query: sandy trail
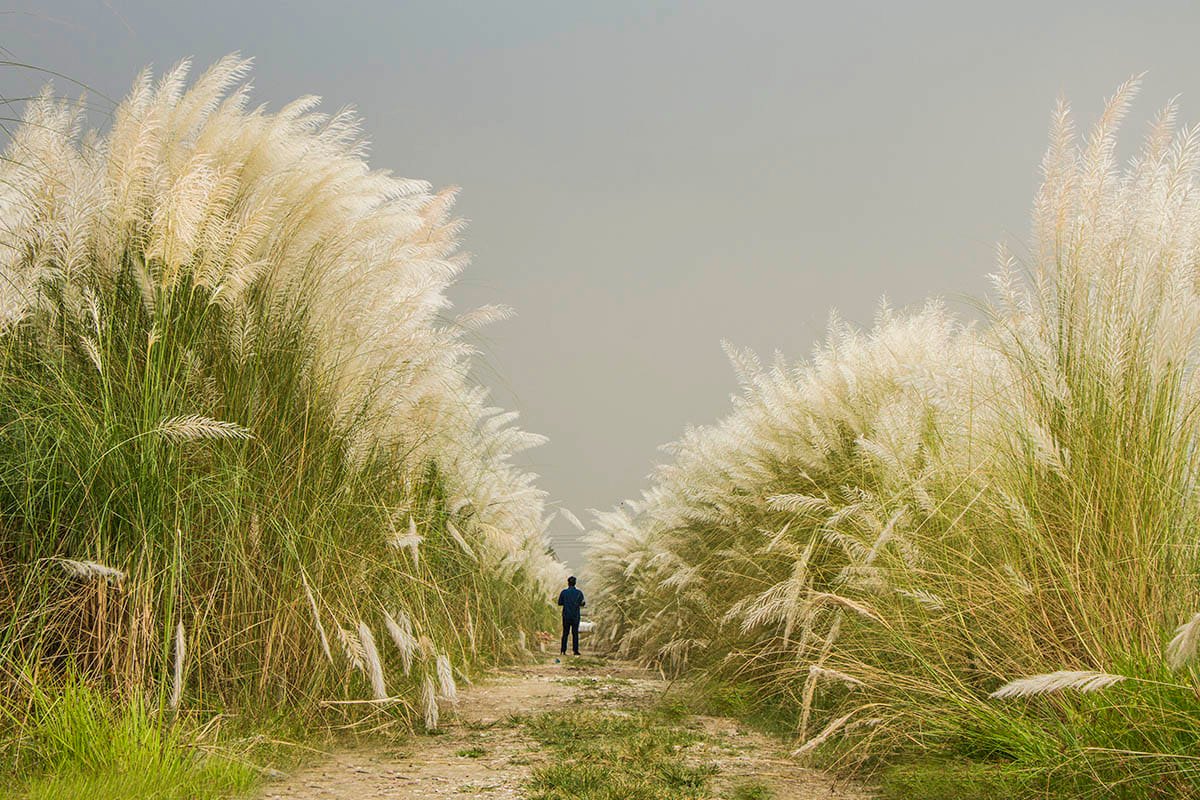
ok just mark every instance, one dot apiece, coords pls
pixel 482 752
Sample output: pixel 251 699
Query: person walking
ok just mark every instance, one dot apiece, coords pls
pixel 571 600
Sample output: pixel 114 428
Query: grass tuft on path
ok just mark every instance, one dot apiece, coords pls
pixel 600 755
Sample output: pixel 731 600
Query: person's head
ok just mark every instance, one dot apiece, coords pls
pixel 571 581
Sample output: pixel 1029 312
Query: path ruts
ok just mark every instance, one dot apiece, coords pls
pixel 483 749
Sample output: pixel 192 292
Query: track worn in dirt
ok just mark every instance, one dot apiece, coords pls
pixel 484 752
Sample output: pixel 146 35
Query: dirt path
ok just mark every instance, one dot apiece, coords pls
pixel 484 750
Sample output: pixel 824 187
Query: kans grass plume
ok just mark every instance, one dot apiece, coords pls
pixel 1182 647
pixel 374 665
pixel 401 633
pixel 445 675
pixel 88 570
pixel 177 672
pixel 1074 680
pixel 429 706
pixel 192 427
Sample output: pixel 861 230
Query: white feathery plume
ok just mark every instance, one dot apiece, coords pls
pixel 483 316
pixel 92 303
pixel 1018 580
pixel 93 352
pixel 796 503
pixel 427 648
pixel 410 541
pixel 352 647
pixel 1079 681
pixel 458 538
pixel 570 517
pixel 744 362
pixel 445 675
pixel 91 569
pixel 823 673
pixel 177 676
pixel 824 735
pixel 845 602
pixel 1182 648
pixel 924 598
pixel 193 427
pixel 374 665
pixel 401 633
pixel 429 706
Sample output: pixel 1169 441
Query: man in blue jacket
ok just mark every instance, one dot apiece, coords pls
pixel 571 600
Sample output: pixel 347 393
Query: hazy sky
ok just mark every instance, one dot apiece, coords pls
pixel 644 179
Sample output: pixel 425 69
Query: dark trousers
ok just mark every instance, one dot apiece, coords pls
pixel 571 626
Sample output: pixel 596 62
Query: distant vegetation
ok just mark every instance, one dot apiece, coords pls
pixel 967 549
pixel 241 464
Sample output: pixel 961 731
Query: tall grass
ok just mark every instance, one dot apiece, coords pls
pixel 228 388
pixel 934 538
pixel 82 743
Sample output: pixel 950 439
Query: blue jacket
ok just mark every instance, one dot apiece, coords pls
pixel 571 600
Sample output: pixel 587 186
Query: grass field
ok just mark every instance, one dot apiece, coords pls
pixel 252 506
pixel 243 473
pixel 965 550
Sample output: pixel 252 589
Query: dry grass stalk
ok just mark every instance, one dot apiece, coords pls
pixel 177 673
pixel 312 604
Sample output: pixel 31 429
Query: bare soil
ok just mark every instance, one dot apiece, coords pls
pixel 483 751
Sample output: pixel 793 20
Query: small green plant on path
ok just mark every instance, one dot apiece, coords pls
pixel 602 755
pixel 752 791
pixel 472 752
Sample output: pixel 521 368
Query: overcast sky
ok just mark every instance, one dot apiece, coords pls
pixel 644 179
